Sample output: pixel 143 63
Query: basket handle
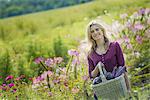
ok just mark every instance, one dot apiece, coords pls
pixel 102 76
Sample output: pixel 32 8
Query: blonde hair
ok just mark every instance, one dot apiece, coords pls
pixel 90 39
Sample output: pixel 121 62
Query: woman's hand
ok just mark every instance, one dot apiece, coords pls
pixel 100 64
pixel 96 70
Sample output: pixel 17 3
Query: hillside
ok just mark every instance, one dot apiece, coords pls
pixel 66 19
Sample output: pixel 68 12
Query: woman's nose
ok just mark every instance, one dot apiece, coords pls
pixel 95 32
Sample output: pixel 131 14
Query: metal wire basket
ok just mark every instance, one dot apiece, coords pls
pixel 110 89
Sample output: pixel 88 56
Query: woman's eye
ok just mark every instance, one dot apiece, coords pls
pixel 97 29
pixel 92 31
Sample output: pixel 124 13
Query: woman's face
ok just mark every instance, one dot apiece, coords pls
pixel 96 32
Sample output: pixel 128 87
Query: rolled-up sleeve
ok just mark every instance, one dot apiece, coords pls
pixel 90 66
pixel 119 55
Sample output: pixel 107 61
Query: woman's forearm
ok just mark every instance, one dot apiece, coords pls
pixel 95 72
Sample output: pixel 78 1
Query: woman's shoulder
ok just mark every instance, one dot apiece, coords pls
pixel 115 43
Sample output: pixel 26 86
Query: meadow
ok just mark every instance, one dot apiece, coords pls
pixel 43 56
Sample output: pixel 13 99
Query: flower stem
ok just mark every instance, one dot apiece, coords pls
pixel 75 71
pixel 48 83
pixel 68 65
pixel 44 66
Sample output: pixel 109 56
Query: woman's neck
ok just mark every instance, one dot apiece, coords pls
pixel 100 44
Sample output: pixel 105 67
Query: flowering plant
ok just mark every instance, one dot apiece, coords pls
pixel 134 38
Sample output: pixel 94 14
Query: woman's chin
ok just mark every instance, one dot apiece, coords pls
pixel 97 39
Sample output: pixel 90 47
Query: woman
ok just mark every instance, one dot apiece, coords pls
pixel 108 54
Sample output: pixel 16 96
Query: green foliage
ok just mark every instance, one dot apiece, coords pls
pixel 60 48
pixel 5 65
pixel 17 7
pixel 2 32
pixel 140 65
pixel 135 42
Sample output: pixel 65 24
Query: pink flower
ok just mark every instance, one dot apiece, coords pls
pixel 50 94
pixel 18 78
pixel 138 26
pixel 38 60
pixel 56 81
pixel 135 14
pixel 50 73
pixel 44 75
pixel 128 24
pixel 49 62
pixel 4 85
pixel 134 30
pixel 129 46
pixel 37 80
pixel 30 79
pixel 139 39
pixel 85 77
pixel 1 87
pixel 75 90
pixel 66 83
pixel 22 76
pixel 141 11
pixel 123 16
pixel 126 39
pixel 75 61
pixel 11 85
pixel 58 60
pixel 4 88
pixel 73 52
pixel 14 90
pixel 8 77
pixel 0 76
pixel 63 69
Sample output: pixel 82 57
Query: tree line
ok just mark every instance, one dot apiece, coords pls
pixel 18 7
